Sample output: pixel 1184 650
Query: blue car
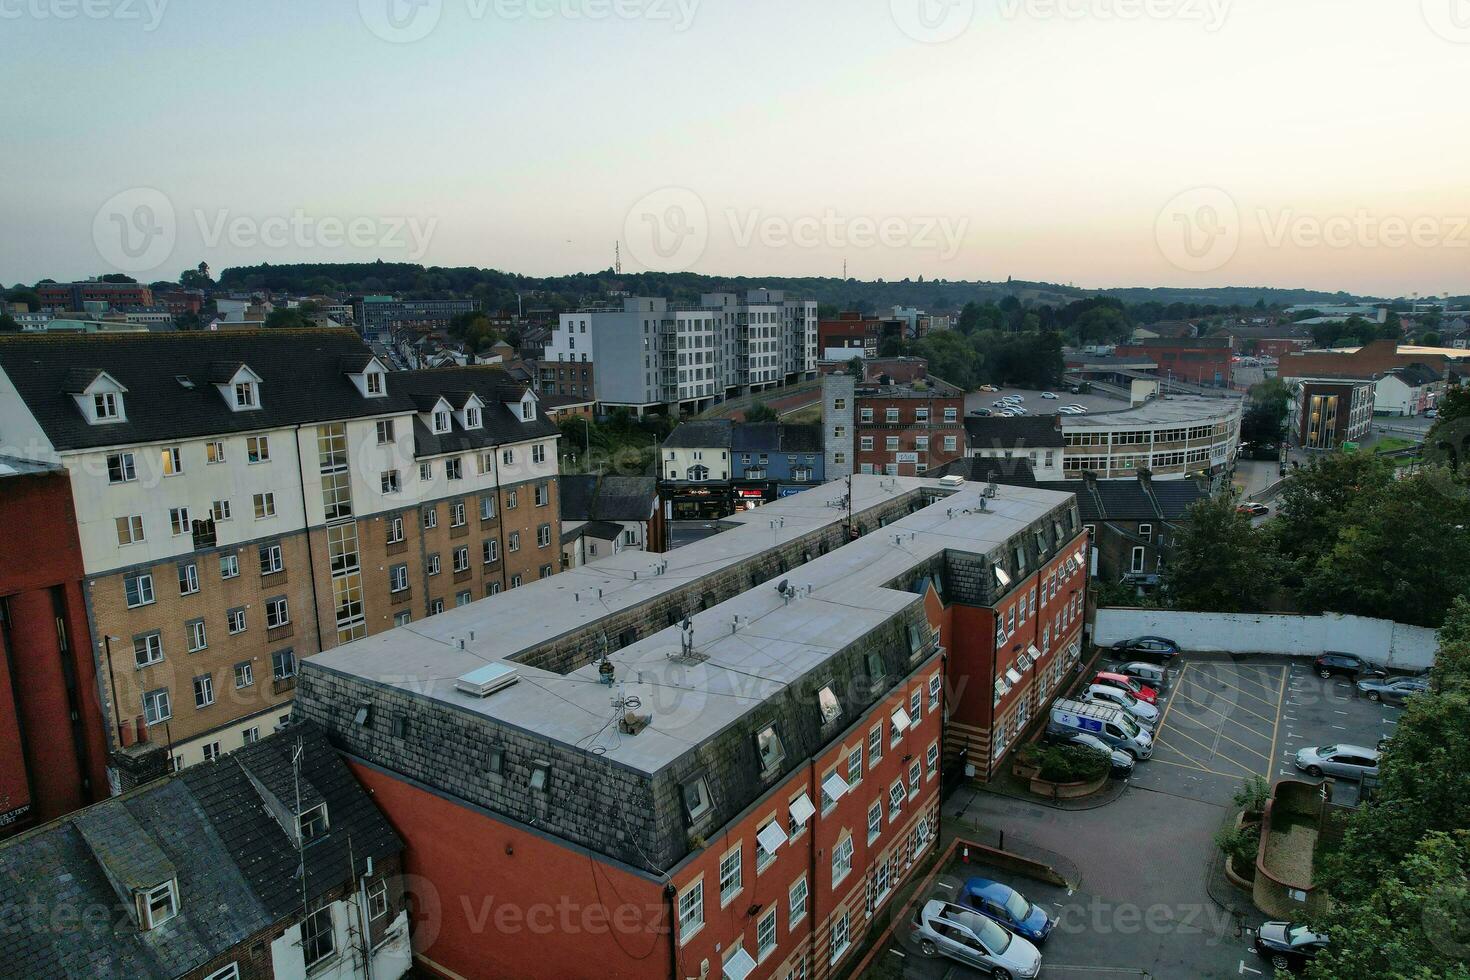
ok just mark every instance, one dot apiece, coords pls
pixel 1008 907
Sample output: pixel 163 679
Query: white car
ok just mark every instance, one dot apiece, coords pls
pixel 1049 396
pixel 1077 409
pixel 1145 714
pixel 940 928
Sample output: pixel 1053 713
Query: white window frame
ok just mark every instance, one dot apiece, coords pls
pixel 690 910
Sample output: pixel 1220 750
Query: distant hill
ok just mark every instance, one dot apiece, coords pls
pixel 498 289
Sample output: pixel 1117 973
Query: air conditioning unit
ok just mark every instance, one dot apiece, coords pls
pixel 954 482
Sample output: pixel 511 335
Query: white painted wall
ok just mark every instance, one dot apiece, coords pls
pixel 391 958
pixel 1379 640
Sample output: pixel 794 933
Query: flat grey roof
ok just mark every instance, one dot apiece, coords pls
pixel 777 643
pixel 1158 412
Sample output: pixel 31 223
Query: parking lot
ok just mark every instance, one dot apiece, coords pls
pixel 1225 720
pixel 1036 405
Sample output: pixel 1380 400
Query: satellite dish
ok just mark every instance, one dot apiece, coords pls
pixel 782 587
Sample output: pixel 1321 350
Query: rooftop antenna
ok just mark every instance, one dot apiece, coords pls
pixel 618 257
pixel 686 637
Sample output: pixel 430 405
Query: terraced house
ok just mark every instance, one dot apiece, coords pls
pixel 245 500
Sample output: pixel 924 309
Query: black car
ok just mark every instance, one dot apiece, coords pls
pixel 1346 665
pixel 1154 649
pixel 1288 946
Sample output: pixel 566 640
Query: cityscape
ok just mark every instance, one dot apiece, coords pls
pixel 687 545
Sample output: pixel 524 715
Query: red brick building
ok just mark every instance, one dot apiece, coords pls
pixel 52 745
pixel 1371 360
pixel 1197 360
pixel 181 301
pixel 904 431
pixel 71 295
pixel 755 819
pixel 850 331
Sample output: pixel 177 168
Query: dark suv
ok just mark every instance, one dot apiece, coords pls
pixel 1346 665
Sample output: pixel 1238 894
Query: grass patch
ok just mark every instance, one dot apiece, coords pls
pixel 1393 444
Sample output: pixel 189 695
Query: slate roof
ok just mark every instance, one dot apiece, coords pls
pixel 988 432
pixel 235 865
pixel 607 498
pixel 705 434
pixel 775 437
pixel 601 530
pixel 1416 375
pixel 1103 500
pixel 303 380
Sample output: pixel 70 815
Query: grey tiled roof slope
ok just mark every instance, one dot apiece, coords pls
pixel 1116 500
pixel 303 381
pixel 709 433
pixel 1030 430
pixel 235 865
pixel 607 498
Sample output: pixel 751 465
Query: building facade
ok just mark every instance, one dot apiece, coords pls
pixel 1197 360
pixel 754 818
pixel 53 748
pixel 711 468
pixel 380 317
pixel 627 511
pixel 1325 413
pixel 246 499
pixel 905 430
pixel 1409 391
pixel 850 335
pixel 75 295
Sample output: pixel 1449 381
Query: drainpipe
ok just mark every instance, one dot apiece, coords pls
pixel 669 894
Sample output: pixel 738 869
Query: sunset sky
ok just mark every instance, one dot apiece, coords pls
pixel 1309 143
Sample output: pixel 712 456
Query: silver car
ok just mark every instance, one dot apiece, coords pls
pixel 940 928
pixel 1391 690
pixel 1348 761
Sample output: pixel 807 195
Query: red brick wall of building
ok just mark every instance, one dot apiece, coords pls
pixel 1187 360
pixel 908 429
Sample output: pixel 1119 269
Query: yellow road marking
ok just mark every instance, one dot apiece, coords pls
pixel 1177 765
pixel 1170 706
pixel 1246 693
pixel 1228 739
pixel 1276 728
pixel 1213 752
pixel 1233 721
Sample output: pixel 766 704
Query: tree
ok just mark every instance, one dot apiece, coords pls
pixel 952 357
pixel 1455 631
pixel 196 278
pixel 1399 554
pixel 287 319
pixel 1431 339
pixel 1219 562
pixel 761 412
pixel 29 297
pixel 117 277
pixel 8 324
pixel 970 318
pixel 1315 502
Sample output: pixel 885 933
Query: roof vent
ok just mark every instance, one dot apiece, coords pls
pixel 485 681
pixel 955 481
pixel 184 381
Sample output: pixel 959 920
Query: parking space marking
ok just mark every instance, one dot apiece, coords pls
pixel 1220 733
pixel 1233 721
pixel 1246 693
pixel 1180 765
pixel 1276 726
pixel 1213 753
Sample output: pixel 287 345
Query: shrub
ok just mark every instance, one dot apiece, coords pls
pixel 1072 764
pixel 1252 795
pixel 1240 844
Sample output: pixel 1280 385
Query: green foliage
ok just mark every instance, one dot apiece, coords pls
pixel 1315 503
pixel 1398 554
pixel 1220 562
pixel 1065 763
pixel 1252 795
pixel 8 324
pixel 1240 844
pixel 284 318
pixel 761 412
pixel 29 297
pixel 475 330
pixel 1121 595
pixel 1455 631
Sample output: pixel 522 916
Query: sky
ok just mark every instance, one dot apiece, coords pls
pixel 1304 144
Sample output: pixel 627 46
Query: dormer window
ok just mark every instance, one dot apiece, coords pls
pixel 245 395
pixel 105 406
pixel 472 418
pixel 312 824
pixel 374 382
pixel 441 421
pixel 237 384
pixel 158 904
pixel 528 410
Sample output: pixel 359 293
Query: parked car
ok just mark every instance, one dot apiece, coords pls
pixel 940 928
pixel 1122 762
pixel 1432 413
pixel 1288 947
pixel 1106 722
pixel 1145 714
pixel 1346 665
pixel 1150 675
pixel 1156 649
pixel 981 412
pixel 1140 691
pixel 1348 761
pixel 1049 396
pixel 989 388
pixel 1009 907
pixel 1394 691
pixel 1252 509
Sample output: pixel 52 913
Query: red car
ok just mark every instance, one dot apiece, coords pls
pixel 1145 694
